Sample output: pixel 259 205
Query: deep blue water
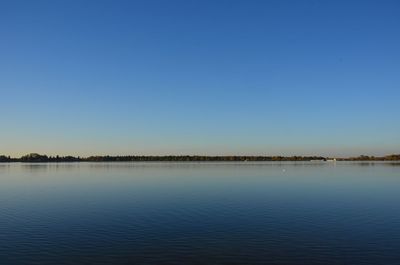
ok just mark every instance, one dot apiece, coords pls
pixel 200 213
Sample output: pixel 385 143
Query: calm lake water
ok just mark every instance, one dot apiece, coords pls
pixel 200 213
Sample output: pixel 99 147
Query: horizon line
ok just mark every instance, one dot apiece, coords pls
pixel 193 156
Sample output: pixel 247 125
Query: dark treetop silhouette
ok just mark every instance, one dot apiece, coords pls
pixel 33 157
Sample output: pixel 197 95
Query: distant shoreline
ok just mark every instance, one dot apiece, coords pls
pixel 34 157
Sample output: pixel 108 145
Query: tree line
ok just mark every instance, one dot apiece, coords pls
pixel 34 157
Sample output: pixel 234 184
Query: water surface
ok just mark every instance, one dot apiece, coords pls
pixel 200 213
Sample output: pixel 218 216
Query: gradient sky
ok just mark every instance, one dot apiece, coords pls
pixel 200 77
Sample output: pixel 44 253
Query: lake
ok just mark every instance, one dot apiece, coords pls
pixel 200 213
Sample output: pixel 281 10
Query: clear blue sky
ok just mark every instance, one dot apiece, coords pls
pixel 200 77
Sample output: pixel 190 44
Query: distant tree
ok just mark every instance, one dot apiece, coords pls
pixel 34 157
pixel 4 158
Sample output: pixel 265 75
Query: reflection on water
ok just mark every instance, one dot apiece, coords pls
pixel 200 213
